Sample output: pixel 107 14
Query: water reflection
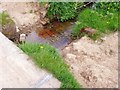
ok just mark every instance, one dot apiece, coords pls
pixel 57 34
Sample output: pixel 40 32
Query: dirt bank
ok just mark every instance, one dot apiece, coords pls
pixel 28 16
pixel 94 63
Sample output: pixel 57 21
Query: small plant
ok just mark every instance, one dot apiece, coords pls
pixel 8 27
pixel 45 56
pixel 5 19
pixel 62 10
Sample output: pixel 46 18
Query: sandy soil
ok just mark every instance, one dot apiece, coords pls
pixel 27 15
pixel 94 63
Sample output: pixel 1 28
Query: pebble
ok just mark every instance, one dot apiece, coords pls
pixel 71 56
pixel 17 29
pixel 22 37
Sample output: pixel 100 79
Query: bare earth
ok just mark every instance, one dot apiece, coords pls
pixel 27 15
pixel 94 63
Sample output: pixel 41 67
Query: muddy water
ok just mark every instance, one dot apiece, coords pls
pixel 57 34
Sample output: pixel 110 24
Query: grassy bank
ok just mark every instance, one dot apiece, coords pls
pixel 102 23
pixel 45 56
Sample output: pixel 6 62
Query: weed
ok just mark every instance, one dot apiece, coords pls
pixel 62 10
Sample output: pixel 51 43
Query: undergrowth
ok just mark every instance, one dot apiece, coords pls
pixel 45 56
pixel 63 11
pixel 106 8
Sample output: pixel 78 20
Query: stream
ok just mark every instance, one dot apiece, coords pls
pixel 57 34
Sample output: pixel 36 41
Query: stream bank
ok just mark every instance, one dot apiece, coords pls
pixel 31 18
pixel 94 63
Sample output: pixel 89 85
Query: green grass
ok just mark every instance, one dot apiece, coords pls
pixel 5 19
pixel 45 56
pixel 91 18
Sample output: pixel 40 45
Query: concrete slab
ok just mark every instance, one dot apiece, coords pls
pixel 18 71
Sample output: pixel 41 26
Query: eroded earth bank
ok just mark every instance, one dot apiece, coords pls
pixel 94 63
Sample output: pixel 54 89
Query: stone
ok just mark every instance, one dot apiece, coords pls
pixel 17 29
pixel 22 37
pixel 88 30
pixel 71 56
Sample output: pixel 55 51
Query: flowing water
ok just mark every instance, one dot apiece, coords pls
pixel 56 33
